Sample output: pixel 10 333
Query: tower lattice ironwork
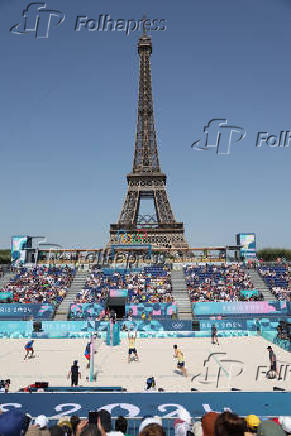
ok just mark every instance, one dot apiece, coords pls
pixel 146 180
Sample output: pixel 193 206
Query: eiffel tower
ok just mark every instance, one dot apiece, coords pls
pixel 146 180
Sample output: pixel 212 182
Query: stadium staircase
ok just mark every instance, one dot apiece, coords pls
pixel 77 284
pixel 259 284
pixel 181 295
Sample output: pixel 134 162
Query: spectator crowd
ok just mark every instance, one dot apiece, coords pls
pixel 151 285
pixel 225 282
pixel 15 423
pixel 39 285
pixel 277 280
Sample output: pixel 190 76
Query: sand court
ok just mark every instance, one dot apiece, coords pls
pixel 236 363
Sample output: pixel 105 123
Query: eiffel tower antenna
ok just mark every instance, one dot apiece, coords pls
pixel 143 25
pixel 146 180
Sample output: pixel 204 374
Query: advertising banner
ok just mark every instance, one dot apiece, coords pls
pixel 240 307
pixel 146 329
pixel 155 309
pixel 118 293
pixel 87 310
pixel 248 242
pixel 23 310
pixel 18 252
pixel 163 404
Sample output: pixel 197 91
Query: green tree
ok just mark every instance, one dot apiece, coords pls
pixel 271 254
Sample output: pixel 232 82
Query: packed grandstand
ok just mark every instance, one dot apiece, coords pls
pixel 204 282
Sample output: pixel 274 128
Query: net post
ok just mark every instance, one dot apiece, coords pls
pixel 92 359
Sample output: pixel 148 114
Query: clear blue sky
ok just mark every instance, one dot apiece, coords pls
pixel 68 118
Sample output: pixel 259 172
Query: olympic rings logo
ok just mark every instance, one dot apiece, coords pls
pixel 133 238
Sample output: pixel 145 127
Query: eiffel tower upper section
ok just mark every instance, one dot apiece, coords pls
pixel 146 180
pixel 146 159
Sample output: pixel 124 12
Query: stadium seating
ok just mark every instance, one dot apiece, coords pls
pixel 276 279
pixel 226 282
pixel 38 285
pixel 150 285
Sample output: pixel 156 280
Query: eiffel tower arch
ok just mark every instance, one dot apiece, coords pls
pixel 146 180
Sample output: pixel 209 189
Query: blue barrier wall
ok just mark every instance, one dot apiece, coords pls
pixel 149 329
pixel 16 329
pixel 161 328
pixel 155 325
pixel 141 404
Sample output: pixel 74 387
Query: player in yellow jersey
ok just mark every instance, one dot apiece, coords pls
pixel 131 346
pixel 180 360
pixel 176 351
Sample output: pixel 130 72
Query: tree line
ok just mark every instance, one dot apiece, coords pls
pixel 272 254
pixel 4 256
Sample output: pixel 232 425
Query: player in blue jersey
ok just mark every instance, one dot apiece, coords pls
pixel 88 353
pixel 29 349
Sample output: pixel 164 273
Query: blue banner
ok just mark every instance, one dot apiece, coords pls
pixel 230 324
pixel 241 308
pixel 157 325
pixel 141 404
pixel 155 309
pixel 87 310
pixel 26 311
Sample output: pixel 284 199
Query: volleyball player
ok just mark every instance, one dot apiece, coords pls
pixel 214 336
pixel 88 353
pixel 29 349
pixel 181 363
pixel 180 360
pixel 131 346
